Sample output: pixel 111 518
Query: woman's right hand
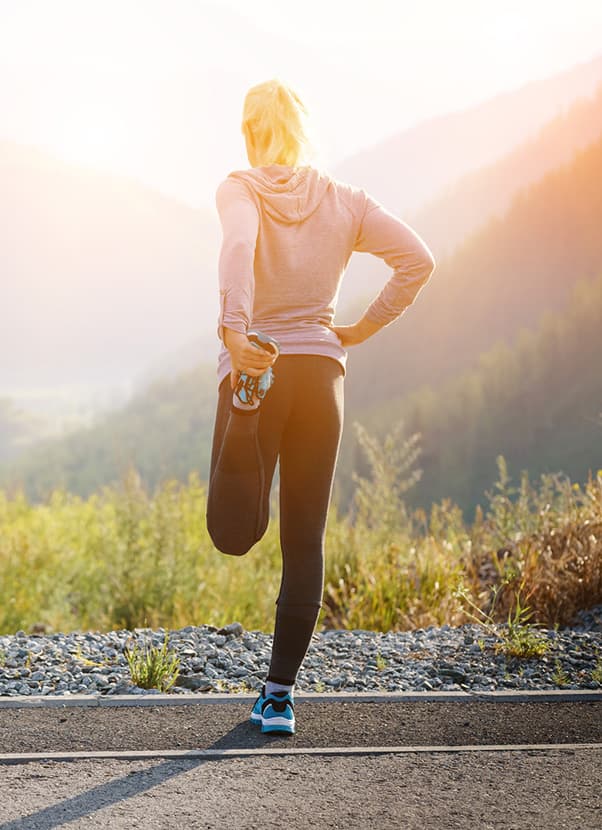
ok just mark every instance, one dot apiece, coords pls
pixel 245 357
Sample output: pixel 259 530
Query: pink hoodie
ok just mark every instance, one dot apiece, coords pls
pixel 288 235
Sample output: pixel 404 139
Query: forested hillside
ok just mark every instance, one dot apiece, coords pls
pixel 467 204
pixel 16 428
pixel 410 168
pixel 501 279
pixel 537 402
pixel 165 431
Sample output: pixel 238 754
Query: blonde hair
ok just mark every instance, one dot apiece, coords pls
pixel 275 120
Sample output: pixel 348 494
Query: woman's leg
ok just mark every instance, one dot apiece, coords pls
pixel 308 455
pixel 243 459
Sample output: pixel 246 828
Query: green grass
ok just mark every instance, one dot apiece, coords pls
pixel 125 558
pixel 559 676
pixel 381 663
pixel 520 639
pixel 152 667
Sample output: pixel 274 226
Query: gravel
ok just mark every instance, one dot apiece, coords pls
pixel 232 659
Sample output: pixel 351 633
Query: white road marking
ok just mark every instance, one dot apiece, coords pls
pixel 214 754
pixel 94 700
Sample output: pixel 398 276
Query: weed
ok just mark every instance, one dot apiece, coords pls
pixel 224 684
pixel 152 667
pixel 78 655
pixel 241 687
pixel 381 663
pixel 521 640
pixel 559 676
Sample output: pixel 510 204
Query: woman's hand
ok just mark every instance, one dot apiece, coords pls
pixel 245 357
pixel 356 333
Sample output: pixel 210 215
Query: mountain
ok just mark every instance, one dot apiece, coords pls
pixel 500 279
pixel 537 401
pixel 409 169
pixel 478 196
pixel 110 281
pixel 17 428
pixel 101 275
pixel 504 279
pixel 164 430
pixel 449 176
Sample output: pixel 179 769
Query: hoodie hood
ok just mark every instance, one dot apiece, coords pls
pixel 287 194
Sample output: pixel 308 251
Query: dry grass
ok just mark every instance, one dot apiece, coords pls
pixel 125 558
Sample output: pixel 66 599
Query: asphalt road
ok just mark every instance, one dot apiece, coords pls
pixel 486 789
pixel 318 725
pixel 480 791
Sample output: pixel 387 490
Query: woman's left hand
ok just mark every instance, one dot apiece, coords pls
pixel 356 333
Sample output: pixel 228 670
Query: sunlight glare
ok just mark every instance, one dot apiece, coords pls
pixel 91 135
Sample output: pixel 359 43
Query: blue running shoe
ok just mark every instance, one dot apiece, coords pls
pixel 275 712
pixel 249 386
pixel 256 712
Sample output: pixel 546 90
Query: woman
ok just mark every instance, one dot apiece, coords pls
pixel 289 230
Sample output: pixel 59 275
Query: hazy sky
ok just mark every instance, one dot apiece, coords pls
pixel 154 88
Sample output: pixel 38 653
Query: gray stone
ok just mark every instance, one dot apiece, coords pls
pixel 234 628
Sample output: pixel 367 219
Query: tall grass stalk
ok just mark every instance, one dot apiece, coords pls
pixel 125 555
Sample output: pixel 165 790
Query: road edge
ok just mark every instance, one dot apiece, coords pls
pixel 191 698
pixel 242 752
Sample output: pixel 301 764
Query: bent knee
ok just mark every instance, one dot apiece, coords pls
pixel 229 546
pixel 227 541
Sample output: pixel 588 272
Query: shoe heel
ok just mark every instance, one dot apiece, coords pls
pixel 287 728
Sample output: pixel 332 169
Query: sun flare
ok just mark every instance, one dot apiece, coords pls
pixel 91 136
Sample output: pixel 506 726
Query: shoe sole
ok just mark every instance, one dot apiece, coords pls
pixel 284 725
pixel 283 730
pixel 278 724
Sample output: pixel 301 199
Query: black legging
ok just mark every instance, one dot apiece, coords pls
pixel 300 420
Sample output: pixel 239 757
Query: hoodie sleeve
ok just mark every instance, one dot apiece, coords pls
pixel 384 235
pixel 240 224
